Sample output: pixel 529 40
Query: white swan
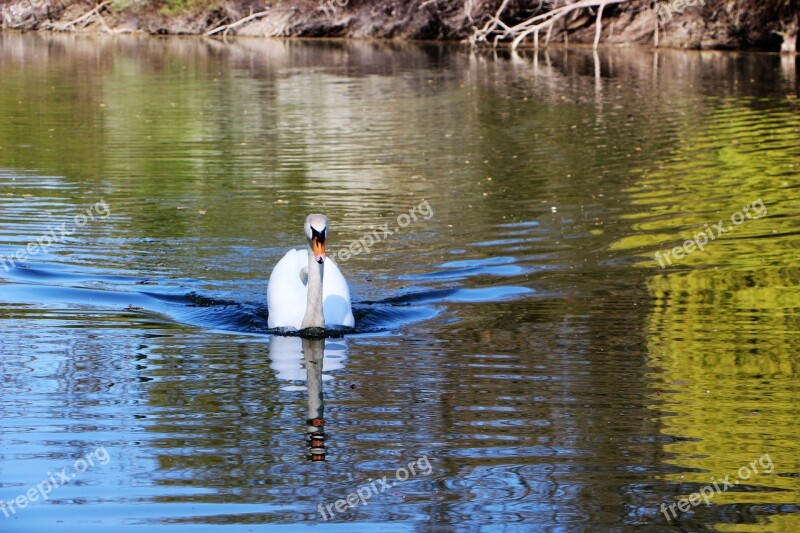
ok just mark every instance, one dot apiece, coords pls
pixel 306 289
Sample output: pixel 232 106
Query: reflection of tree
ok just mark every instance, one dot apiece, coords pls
pixel 233 413
pixel 212 423
pixel 722 333
pixel 713 174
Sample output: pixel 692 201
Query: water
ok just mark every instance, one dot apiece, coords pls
pixel 518 345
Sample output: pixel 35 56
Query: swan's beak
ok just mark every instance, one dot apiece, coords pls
pixel 318 247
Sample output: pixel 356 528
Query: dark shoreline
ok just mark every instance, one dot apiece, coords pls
pixel 702 27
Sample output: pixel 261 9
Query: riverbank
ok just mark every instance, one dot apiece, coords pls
pixel 696 24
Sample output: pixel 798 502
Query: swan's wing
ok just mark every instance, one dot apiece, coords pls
pixel 287 292
pixel 336 297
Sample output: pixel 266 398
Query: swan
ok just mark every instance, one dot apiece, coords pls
pixel 306 288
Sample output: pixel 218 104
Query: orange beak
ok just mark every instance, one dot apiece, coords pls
pixel 318 247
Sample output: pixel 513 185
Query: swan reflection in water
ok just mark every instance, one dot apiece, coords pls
pixel 289 356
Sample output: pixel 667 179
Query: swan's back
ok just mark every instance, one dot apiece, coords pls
pixel 287 293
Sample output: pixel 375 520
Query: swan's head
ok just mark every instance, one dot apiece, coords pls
pixel 316 232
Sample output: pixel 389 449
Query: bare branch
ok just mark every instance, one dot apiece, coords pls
pixel 542 21
pixel 232 25
pixel 598 26
pixel 83 18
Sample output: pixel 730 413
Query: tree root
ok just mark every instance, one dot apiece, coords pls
pixel 82 21
pixel 500 31
pixel 225 28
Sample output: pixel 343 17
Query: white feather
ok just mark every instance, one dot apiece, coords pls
pixel 287 293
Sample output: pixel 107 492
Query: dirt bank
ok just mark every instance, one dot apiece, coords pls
pixel 733 24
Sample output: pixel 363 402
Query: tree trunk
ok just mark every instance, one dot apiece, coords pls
pixel 789 45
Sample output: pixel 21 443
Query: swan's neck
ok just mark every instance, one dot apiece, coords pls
pixel 314 317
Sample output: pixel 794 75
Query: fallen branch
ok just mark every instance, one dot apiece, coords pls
pixel 103 23
pixel 85 17
pixel 232 25
pixel 550 18
pixel 533 25
pixel 480 35
pixel 655 30
pixel 23 23
pixel 598 26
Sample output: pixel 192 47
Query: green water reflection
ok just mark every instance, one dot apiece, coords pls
pixel 555 375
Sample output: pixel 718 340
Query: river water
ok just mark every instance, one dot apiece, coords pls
pixel 580 310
